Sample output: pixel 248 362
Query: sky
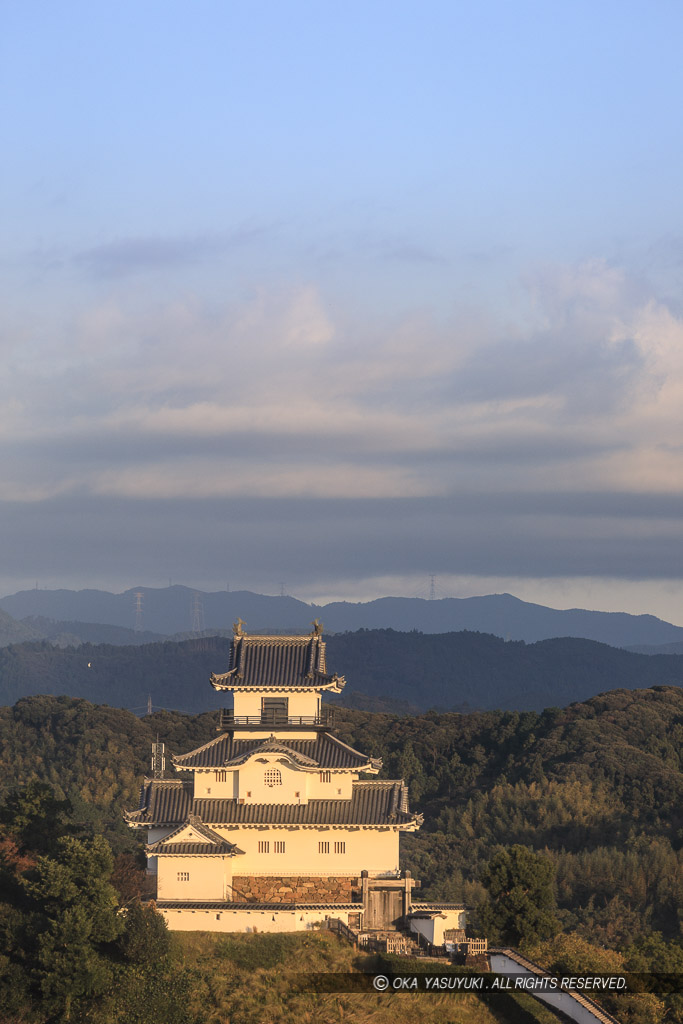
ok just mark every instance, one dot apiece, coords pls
pixel 326 298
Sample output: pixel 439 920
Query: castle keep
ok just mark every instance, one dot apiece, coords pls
pixel 270 827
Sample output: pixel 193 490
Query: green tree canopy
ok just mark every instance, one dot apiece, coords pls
pixel 75 915
pixel 145 938
pixel 521 899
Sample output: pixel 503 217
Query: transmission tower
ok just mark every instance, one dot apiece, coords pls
pixel 432 587
pixel 197 614
pixel 149 704
pixel 283 593
pixel 138 611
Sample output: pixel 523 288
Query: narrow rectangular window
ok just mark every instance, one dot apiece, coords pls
pixel 323 847
pixel 326 776
pixel 263 846
pixel 183 876
pixel 279 846
pixel 340 847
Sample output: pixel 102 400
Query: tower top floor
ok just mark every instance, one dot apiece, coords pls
pixel 282 664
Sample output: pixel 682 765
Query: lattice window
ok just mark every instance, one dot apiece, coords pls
pixel 273 777
pixel 263 846
pixel 340 847
pixel 323 847
pixel 279 846
pixel 326 776
pixel 183 876
pixel 221 776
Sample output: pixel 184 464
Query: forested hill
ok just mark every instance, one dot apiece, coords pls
pixel 386 670
pixel 597 786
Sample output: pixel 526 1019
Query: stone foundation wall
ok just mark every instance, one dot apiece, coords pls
pixel 294 889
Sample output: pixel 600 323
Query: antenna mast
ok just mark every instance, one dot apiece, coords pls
pixel 158 759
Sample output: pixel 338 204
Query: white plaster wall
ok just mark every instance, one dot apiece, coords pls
pixel 249 921
pixel 424 927
pixel 210 878
pixel 343 781
pixel 373 850
pixel 450 919
pixel 298 786
pixel 252 780
pixel 153 834
pixel 434 929
pixel 265 732
pixel 205 785
pixel 299 703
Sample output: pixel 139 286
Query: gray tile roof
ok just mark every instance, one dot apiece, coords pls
pixel 372 803
pixel 188 849
pixel 274 746
pixel 325 751
pixel 278 662
pixel 213 842
pixel 163 802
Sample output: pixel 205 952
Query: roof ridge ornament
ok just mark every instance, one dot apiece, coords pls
pixel 317 628
pixel 237 627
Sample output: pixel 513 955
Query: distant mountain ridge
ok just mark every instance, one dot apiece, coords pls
pixel 13 632
pixel 386 670
pixel 172 610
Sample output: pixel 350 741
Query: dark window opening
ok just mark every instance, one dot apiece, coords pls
pixel 274 710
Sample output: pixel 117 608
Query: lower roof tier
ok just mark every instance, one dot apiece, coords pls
pixel 324 751
pixel 169 802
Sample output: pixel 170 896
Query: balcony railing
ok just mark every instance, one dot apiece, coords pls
pixel 228 720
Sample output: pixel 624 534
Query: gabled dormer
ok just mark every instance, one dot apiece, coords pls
pixel 191 839
pixel 277 681
pixel 274 769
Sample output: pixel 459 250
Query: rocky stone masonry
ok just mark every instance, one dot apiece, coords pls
pixel 294 889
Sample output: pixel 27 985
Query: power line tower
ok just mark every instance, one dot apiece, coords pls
pixel 138 611
pixel 283 593
pixel 197 614
pixel 158 759
pixel 432 587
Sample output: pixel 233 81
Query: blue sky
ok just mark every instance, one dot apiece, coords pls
pixel 342 295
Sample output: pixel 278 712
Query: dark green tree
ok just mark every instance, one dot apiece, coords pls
pixel 75 915
pixel 35 816
pixel 145 938
pixel 521 899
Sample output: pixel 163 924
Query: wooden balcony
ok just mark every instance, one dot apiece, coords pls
pixel 228 721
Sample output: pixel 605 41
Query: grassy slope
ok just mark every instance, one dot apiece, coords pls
pixel 255 979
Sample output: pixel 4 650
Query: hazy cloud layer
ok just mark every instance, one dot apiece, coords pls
pixel 131 255
pixel 280 432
